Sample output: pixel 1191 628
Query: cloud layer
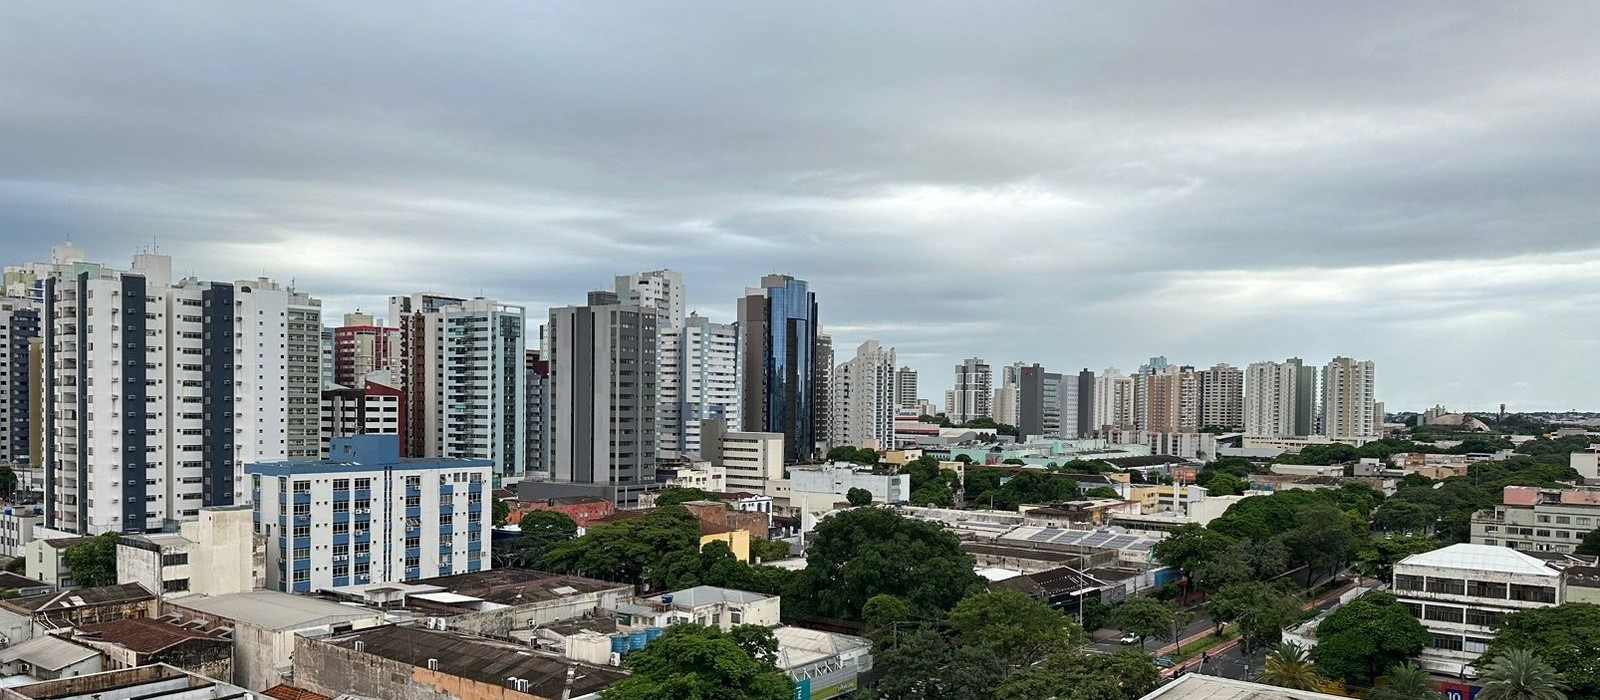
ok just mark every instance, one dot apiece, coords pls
pixel 1077 184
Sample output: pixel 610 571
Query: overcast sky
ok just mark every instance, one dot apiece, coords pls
pixel 1076 184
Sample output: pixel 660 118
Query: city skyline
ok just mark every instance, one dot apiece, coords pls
pixel 1406 184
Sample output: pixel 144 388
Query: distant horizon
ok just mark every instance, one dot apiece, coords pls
pixel 1073 184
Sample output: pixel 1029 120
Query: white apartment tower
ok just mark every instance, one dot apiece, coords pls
pixel 159 392
pixel 1113 400
pixel 1278 398
pixel 703 367
pixel 1348 399
pixel 1222 401
pixel 862 398
pixel 974 389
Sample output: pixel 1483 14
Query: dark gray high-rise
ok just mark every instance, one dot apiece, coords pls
pixel 1085 398
pixel 1039 403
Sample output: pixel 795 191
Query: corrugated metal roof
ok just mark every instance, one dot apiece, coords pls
pixel 48 652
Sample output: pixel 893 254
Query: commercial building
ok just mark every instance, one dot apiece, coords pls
pixel 752 461
pixel 411 663
pixel 862 398
pixel 1279 399
pixel 815 489
pixel 463 374
pixel 822 378
pixel 1460 592
pixel 1538 520
pixel 142 641
pixel 1222 400
pixel 47 658
pixel 1586 462
pixel 217 554
pixel 158 391
pixel 374 406
pixel 264 626
pixel 973 391
pixel 366 514
pixel 158 682
pixel 1039 402
pixel 778 362
pixel 1084 401
pixel 584 510
pixel 603 400
pixel 1349 399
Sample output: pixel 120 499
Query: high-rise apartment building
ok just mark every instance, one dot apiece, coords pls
pixel 1222 401
pixel 1348 398
pixel 1113 400
pixel 778 363
pixel 377 407
pixel 662 290
pixel 362 346
pixel 158 391
pixel 538 432
pixel 603 401
pixel 905 389
pixel 974 390
pixel 1279 398
pixel 1190 387
pixel 822 407
pixel 1159 400
pixel 862 397
pixel 1084 399
pixel 702 368
pixel 1006 404
pixel 1039 401
pixel 19 325
pixel 366 515
pixel 462 366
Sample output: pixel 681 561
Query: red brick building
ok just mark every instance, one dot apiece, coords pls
pixel 582 509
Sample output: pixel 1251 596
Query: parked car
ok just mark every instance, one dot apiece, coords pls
pixel 1129 638
pixel 1163 662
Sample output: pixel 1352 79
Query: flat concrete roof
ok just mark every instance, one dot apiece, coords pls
pixel 274 610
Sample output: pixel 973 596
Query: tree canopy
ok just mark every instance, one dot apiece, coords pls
pixel 1146 617
pixel 676 495
pixel 858 497
pixel 694 661
pixel 93 562
pixel 628 549
pixel 1015 628
pixel 846 453
pixel 861 553
pixel 1565 636
pixel 1360 640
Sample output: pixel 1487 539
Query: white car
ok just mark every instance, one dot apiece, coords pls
pixel 1129 638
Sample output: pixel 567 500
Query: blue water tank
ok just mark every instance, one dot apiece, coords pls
pixel 619 643
pixel 636 640
pixel 667 599
pixel 653 633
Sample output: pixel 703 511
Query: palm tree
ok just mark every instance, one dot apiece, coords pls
pixel 1519 675
pixel 1289 667
pixel 1406 681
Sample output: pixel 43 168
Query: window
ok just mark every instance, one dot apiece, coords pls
pixel 302 552
pixel 341 528
pixel 302 510
pixel 1446 641
pixel 341 484
pixel 1486 589
pixel 302 576
pixel 1483 618
pixel 341 506
pixel 302 531
pixel 1407 582
pixel 175 586
pixel 1415 609
pixel 413 562
pixel 363 505
pixel 341 570
pixel 1443 613
pixel 177 559
pixel 1476 645
pixel 1447 586
pixel 1536 594
pixel 413 542
pixel 363 484
pixel 362 569
pixel 363 548
pixel 302 487
pixel 413 481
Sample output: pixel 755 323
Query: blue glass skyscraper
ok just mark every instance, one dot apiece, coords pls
pixel 777 346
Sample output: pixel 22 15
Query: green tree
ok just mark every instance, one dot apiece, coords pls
pixel 858 497
pixel 1359 640
pixel 502 511
pixel 1096 614
pixel 861 553
pixel 1377 556
pixel 691 661
pixel 883 610
pixel 1102 492
pixel 1405 516
pixel 1146 617
pixel 1262 610
pixel 912 661
pixel 1566 636
pixel 1225 484
pixel 93 562
pixel 1289 667
pixel 1014 627
pixel 1406 681
pixel 1190 546
pixel 846 453
pixel 1323 539
pixel 1073 675
pixel 763 549
pixel 1519 674
pixel 8 480
pixel 676 495
pixel 1591 543
pixel 626 550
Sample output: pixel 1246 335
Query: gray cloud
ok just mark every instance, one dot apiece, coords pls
pixel 1079 184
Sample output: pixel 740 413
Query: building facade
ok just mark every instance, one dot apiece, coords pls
pixel 1460 592
pixel 538 396
pixel 974 389
pixel 367 515
pixel 1113 400
pixel 1533 519
pixel 1349 399
pixel 603 402
pixel 778 362
pixel 19 324
pixel 1279 399
pixel 1039 402
pixel 1222 400
pixel 362 346
pixel 753 462
pixel 376 407
pixel 699 371
pixel 905 388
pixel 862 397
